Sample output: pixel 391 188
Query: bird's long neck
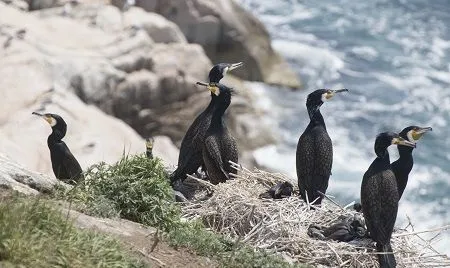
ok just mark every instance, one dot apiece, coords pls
pixel 211 105
pixel 405 152
pixel 383 155
pixel 221 106
pixel 405 162
pixel 55 137
pixel 316 118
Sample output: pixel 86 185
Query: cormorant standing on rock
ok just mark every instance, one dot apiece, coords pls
pixel 149 147
pixel 190 157
pixel 219 146
pixel 403 166
pixel 65 167
pixel 379 197
pixel 315 150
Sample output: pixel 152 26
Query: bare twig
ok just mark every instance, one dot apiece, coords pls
pixel 281 225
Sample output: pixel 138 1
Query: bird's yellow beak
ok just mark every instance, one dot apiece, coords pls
pixel 330 94
pixel 401 141
pixel 47 118
pixel 235 65
pixel 214 89
pixel 211 87
pixel 418 132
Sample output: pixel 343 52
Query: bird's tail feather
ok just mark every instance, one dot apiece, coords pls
pixel 386 260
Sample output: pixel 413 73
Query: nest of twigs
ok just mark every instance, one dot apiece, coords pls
pixel 236 211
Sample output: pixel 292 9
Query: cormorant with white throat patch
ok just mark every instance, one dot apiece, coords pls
pixel 65 167
pixel 219 147
pixel 403 166
pixel 190 157
pixel 379 197
pixel 314 156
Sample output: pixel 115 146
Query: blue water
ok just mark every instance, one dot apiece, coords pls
pixel 394 57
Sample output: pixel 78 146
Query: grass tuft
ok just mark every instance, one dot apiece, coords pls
pixel 33 234
pixel 135 188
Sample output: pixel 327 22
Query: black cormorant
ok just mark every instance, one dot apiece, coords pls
pixel 64 164
pixel 379 197
pixel 219 146
pixel 404 164
pixel 315 150
pixel 190 157
pixel 149 147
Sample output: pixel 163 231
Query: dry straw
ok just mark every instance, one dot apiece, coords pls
pixel 280 226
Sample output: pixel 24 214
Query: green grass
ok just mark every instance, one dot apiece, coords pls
pixel 33 234
pixel 194 236
pixel 135 188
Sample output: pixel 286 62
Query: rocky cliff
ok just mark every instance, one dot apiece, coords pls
pixel 95 63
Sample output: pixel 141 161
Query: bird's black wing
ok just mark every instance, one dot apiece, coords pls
pixel 213 160
pixel 314 162
pixel 304 162
pixel 379 198
pixel 70 164
pixel 230 153
pixel 193 138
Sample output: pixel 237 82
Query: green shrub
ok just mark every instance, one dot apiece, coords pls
pixel 135 188
pixel 33 234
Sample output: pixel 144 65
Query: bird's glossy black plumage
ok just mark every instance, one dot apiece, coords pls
pixel 219 147
pixel 379 197
pixel 314 156
pixel 65 167
pixel 403 166
pixel 218 71
pixel 190 157
pixel 346 229
pixel 279 190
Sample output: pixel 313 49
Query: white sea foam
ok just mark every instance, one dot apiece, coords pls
pixel 395 61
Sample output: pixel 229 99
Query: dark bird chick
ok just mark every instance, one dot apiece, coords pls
pixel 65 167
pixel 279 190
pixel 190 157
pixel 403 166
pixel 379 197
pixel 315 150
pixel 346 229
pixel 219 147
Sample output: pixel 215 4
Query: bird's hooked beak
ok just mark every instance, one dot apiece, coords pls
pixel 418 132
pixel 211 87
pixel 401 141
pixel 330 94
pixel 47 118
pixel 235 66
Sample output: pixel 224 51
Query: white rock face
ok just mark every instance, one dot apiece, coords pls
pixel 160 29
pixel 16 177
pixel 34 71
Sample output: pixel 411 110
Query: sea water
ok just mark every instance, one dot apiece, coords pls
pixel 394 57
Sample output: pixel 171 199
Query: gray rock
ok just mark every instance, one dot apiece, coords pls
pixel 150 86
pixel 41 4
pixel 19 4
pixel 157 27
pixel 16 177
pixel 228 33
